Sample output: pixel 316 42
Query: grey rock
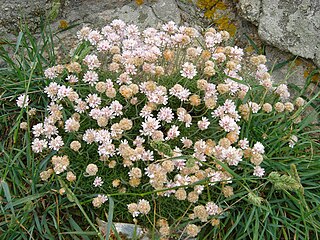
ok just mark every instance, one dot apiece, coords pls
pixel 250 10
pixel 167 10
pixel 13 13
pixel 99 13
pixel 292 26
pixel 290 72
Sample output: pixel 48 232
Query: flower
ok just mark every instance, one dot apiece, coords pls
pixel 23 101
pixel 293 140
pixel 133 209
pixel 143 206
pixel 228 123
pixel 192 230
pixel 204 123
pixel 56 143
pixel 91 169
pixel 149 126
pixel 130 107
pixel 258 148
pixel 92 61
pixel 188 70
pixel 165 114
pixel 97 182
pixel 91 77
pixel 38 145
pixel 258 171
pixel 173 132
pixel 99 200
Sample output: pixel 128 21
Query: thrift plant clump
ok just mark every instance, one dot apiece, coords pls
pixel 170 107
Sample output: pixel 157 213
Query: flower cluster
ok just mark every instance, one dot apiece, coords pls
pixel 169 105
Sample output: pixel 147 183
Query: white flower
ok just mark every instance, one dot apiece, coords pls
pixel 97 182
pixel 180 92
pixel 38 145
pixel 23 101
pixel 93 100
pixel 188 70
pixel 92 61
pixel 258 171
pixel 212 208
pixel 133 209
pixel 116 108
pixel 258 148
pixel 149 126
pixel 56 143
pixel 72 79
pixel 233 155
pixel 293 140
pixel 143 206
pixel 37 129
pixel 89 136
pixel 165 114
pixel 244 143
pixel 228 123
pixel 49 130
pixel 91 169
pixel 283 92
pixel 91 77
pixel 71 125
pixel 204 123
pixel 94 37
pixel 254 107
pixel 50 73
pixel 173 132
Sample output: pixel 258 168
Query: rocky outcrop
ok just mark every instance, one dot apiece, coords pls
pixel 15 12
pixel 101 12
pixel 290 25
pixel 95 12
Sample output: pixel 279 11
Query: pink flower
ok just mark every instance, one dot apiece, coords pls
pixel 204 123
pixel 94 37
pixel 149 126
pixel 23 101
pixel 56 143
pixel 91 77
pixel 258 148
pixel 38 145
pixel 93 100
pixel 165 114
pixel 258 171
pixel 97 182
pixel 228 123
pixel 188 70
pixel 244 143
pixel 91 61
pixel 173 132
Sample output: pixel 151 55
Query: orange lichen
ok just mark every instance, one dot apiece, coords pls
pixel 249 49
pixel 139 2
pixel 217 11
pixel 63 24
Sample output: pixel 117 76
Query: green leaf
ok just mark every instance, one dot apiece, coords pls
pixel 7 194
pixel 18 42
pixel 110 217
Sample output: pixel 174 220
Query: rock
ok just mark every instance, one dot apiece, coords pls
pixel 289 72
pixel 167 10
pixel 292 26
pixel 100 13
pixel 250 10
pixel 16 12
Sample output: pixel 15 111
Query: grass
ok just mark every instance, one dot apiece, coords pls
pixel 32 209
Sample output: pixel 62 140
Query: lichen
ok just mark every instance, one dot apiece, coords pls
pixel 218 11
